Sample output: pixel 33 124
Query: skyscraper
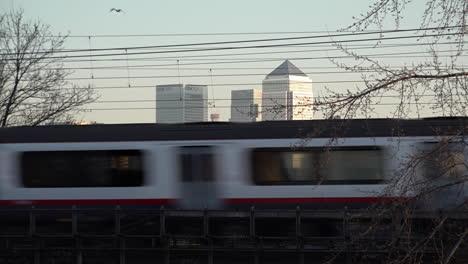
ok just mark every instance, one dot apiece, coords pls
pixel 287 94
pixel 180 103
pixel 246 105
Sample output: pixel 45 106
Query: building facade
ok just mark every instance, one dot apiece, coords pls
pixel 287 94
pixel 246 105
pixel 181 103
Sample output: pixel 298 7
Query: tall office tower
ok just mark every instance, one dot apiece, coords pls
pixel 246 105
pixel 287 94
pixel 180 103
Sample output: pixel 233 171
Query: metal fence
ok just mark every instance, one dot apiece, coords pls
pixel 159 235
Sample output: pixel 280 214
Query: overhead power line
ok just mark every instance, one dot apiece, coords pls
pixel 217 61
pixel 227 106
pixel 246 41
pixel 94 77
pixel 183 57
pixel 149 68
pixel 240 99
pixel 267 60
pixel 349 45
pixel 207 34
pixel 230 75
pixel 125 67
pixel 239 47
pixel 197 75
pixel 214 85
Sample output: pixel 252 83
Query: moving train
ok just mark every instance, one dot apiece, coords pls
pixel 314 163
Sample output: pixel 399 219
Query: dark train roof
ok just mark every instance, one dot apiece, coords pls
pixel 219 131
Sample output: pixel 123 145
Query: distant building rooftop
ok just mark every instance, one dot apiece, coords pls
pixel 287 68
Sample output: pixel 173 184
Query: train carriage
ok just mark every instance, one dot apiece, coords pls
pixel 315 163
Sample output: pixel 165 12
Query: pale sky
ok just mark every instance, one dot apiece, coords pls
pixel 152 16
pixel 84 18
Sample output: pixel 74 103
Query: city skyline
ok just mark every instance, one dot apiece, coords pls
pixel 122 56
pixel 286 95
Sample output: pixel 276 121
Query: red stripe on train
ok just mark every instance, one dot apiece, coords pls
pixel 87 202
pixel 300 200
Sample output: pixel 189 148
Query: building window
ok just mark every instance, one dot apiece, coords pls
pixel 97 168
pixel 345 165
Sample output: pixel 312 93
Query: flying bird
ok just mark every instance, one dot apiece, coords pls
pixel 117 10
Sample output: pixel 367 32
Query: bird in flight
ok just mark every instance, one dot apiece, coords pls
pixel 117 10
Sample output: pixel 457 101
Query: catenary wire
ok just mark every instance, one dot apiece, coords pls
pixel 214 84
pixel 209 34
pixel 267 60
pixel 198 76
pixel 239 47
pixel 241 54
pixel 240 99
pixel 247 41
pixel 227 106
pixel 388 55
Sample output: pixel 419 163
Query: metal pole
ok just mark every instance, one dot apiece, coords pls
pixel 346 234
pixel 74 221
pixel 205 223
pixel 299 235
pixel 206 230
pixel 117 220
pixel 122 251
pixel 117 232
pixel 162 222
pixel 298 227
pixel 79 253
pixel 32 222
pixel 252 222
pixel 253 234
pixel 162 234
pixel 167 258
pixel 37 252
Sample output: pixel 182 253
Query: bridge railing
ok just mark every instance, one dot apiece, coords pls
pixel 121 235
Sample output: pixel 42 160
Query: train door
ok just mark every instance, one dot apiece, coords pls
pixel 198 175
pixel 444 170
pixel 7 159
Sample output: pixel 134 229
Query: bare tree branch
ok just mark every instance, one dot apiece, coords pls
pixel 30 92
pixel 430 177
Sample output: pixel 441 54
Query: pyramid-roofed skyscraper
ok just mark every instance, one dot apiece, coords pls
pixel 287 94
pixel 286 68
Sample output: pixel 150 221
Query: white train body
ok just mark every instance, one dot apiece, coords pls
pixel 231 181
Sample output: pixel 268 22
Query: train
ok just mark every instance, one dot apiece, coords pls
pixel 273 164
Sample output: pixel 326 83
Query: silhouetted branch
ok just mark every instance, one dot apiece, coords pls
pixel 30 92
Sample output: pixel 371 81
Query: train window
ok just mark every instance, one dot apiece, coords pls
pixel 356 165
pixel 286 166
pixel 97 168
pixel 445 161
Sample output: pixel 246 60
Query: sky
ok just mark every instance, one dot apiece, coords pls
pixel 93 17
pixel 91 25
